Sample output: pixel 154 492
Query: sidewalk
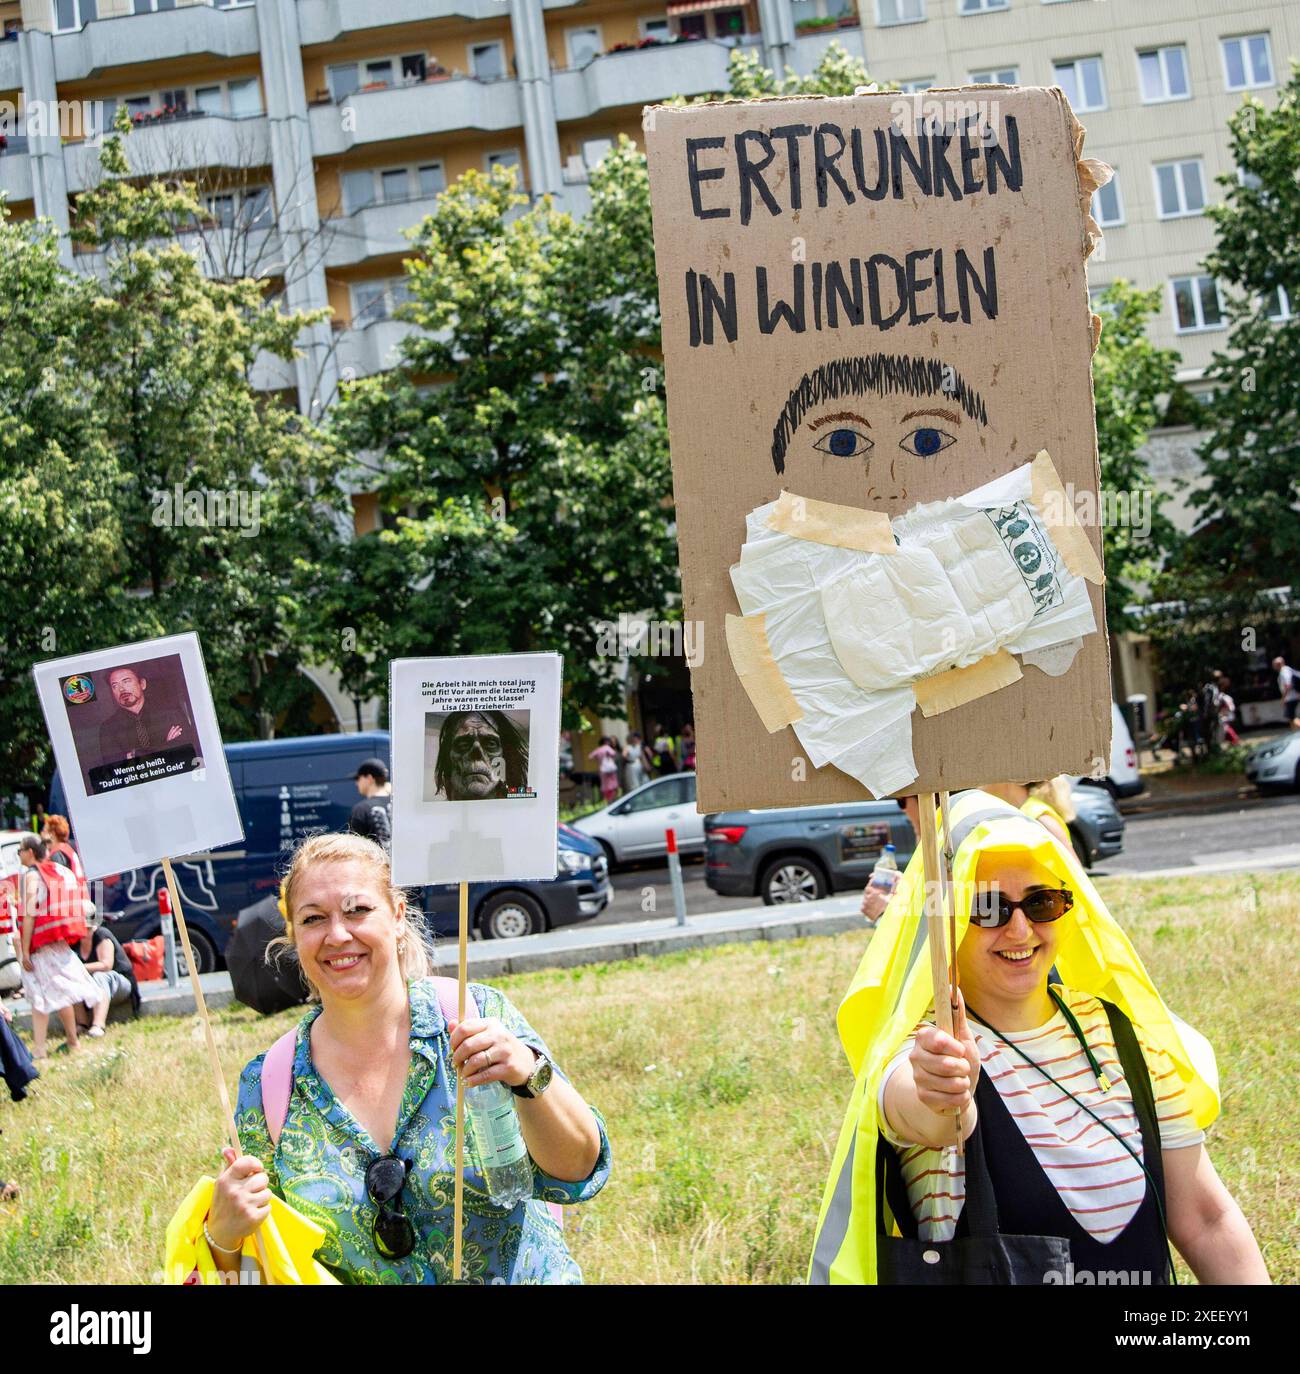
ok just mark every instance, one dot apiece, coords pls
pixel 568 947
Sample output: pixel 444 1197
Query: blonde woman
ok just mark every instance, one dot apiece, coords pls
pixel 374 1094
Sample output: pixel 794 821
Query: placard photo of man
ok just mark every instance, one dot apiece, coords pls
pixel 476 755
pixel 132 723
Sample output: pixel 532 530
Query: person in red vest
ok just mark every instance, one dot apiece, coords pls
pixel 59 850
pixel 53 920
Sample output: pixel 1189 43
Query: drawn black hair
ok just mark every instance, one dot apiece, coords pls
pixel 514 745
pixel 885 374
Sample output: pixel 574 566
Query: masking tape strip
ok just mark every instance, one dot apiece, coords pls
pixel 751 657
pixel 1058 515
pixel 957 686
pixel 845 527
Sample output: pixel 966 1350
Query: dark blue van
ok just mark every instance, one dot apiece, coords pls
pixel 290 788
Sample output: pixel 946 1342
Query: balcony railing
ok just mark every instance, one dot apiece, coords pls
pixel 179 144
pixel 199 27
pixel 640 76
pixel 427 107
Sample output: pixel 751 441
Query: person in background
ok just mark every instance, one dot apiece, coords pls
pixel 39 819
pixel 874 897
pixel 605 757
pixel 688 747
pixel 372 816
pixel 107 962
pixel 53 919
pixel 634 762
pixel 59 850
pixel 1208 710
pixel 1227 710
pixel 1288 688
pixel 665 762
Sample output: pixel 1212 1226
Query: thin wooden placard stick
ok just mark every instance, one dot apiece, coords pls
pixel 214 1059
pixel 934 922
pixel 458 1195
pixel 950 907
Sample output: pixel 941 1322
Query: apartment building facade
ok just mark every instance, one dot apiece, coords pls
pixel 322 129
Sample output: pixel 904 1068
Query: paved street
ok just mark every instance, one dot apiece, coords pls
pixel 1258 835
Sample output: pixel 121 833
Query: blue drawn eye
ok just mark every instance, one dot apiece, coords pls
pixel 926 442
pixel 843 443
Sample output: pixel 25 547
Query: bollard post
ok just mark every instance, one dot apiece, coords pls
pixel 675 873
pixel 169 937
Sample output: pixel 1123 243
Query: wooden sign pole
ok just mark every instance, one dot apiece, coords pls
pixel 934 918
pixel 950 907
pixel 214 1059
pixel 458 1194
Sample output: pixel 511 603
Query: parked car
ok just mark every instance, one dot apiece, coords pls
pixel 799 854
pixel 288 789
pixel 1123 780
pixel 633 826
pixel 804 853
pixel 1276 764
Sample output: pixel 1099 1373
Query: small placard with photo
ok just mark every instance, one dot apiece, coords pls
pixel 139 752
pixel 482 730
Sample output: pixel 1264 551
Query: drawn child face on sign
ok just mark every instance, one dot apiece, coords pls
pixel 890 416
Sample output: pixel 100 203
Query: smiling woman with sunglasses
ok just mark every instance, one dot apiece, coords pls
pixel 1081 1099
pixel 367 1147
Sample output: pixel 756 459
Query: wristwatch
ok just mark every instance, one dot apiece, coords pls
pixel 539 1080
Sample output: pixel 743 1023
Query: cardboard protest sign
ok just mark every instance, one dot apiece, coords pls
pixel 476 745
pixel 877 344
pixel 137 745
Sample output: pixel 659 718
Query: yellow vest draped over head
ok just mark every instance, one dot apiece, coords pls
pixel 891 993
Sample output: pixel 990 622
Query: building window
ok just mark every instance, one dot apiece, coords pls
pixel 151 6
pixel 378 300
pixel 1180 188
pixel 70 15
pixel 178 101
pixel 917 83
pixel 487 61
pixel 996 76
pixel 1277 304
pixel 258 211
pixel 210 100
pixel 1107 207
pixel 358 191
pixel 1247 62
pixel 731 23
pixel 658 29
pixel 582 45
pixel 594 151
pixel 394 185
pixel 1082 82
pixel 1197 304
pixel 343 80
pixel 506 157
pixel 899 11
pixel 379 73
pixel 245 97
pixel 432 178
pixel 415 68
pixel 980 6
pixel 1162 74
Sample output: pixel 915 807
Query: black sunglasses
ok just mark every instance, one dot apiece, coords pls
pixel 992 909
pixel 392 1233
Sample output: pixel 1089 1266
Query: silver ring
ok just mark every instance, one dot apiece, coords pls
pixel 487 1055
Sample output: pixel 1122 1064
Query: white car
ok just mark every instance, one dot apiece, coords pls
pixel 1276 764
pixel 633 826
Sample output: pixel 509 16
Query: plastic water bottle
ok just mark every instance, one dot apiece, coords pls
pixel 885 874
pixel 503 1155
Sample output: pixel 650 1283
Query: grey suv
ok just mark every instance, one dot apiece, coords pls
pixel 802 853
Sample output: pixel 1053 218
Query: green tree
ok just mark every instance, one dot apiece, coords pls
pixel 1130 376
pixel 224 496
pixel 1251 533
pixel 836 73
pixel 522 470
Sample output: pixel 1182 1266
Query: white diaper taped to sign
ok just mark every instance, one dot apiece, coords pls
pixel 859 635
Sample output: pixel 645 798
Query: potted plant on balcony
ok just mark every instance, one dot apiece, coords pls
pixel 816 25
pixel 849 20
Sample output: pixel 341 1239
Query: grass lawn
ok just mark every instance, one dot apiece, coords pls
pixel 719 1074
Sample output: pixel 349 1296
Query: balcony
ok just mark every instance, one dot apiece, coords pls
pixel 373 348
pixel 182 144
pixel 374 231
pixel 641 76
pixel 325 21
pixel 439 106
pixel 810 47
pixel 11 67
pixel 194 30
pixel 15 172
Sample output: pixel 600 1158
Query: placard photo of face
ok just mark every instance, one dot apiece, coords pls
pixel 131 724
pixel 476 755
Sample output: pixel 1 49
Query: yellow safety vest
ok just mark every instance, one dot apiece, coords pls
pixel 891 993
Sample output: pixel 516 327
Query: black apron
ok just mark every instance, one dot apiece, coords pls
pixel 1014 1228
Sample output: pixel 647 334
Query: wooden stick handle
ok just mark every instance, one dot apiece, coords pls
pixel 458 1194
pixel 950 907
pixel 934 922
pixel 214 1059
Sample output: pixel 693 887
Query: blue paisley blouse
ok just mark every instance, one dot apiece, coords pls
pixel 319 1166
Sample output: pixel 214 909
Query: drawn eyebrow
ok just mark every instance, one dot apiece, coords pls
pixel 841 415
pixel 950 415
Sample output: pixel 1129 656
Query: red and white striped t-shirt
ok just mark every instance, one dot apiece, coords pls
pixel 1097 1178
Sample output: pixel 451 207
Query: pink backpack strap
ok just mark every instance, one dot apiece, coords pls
pixel 277 1082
